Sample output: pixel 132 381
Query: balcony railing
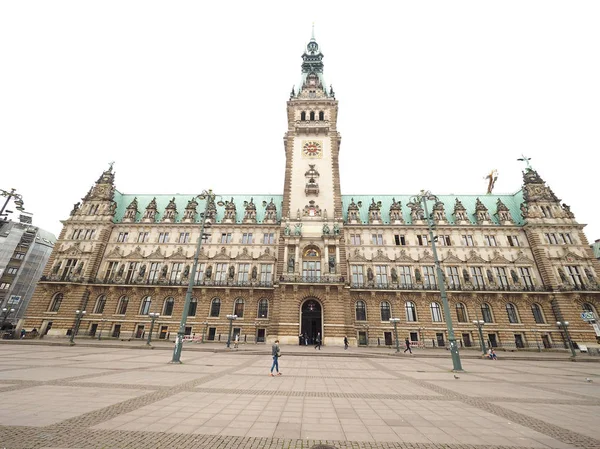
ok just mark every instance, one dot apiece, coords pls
pixel 326 279
pixel 184 282
pixel 454 287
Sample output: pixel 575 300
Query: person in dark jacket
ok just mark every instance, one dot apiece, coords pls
pixel 318 341
pixel 407 344
pixel 276 353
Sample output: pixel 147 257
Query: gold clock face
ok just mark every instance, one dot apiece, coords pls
pixel 312 148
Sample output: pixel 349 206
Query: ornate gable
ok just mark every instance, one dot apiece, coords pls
pixel 571 257
pixel 427 257
pixel 451 258
pixel 156 254
pixel 481 212
pixel 244 255
pixel 250 211
pixel 396 212
pixel 170 212
pixel 222 255
pixel 177 254
pixel 270 212
pixel 499 259
pixel 475 258
pixel 403 257
pixel 375 211
pixel 356 256
pixel 266 255
pixel 150 214
pixel 353 212
pixel 136 253
pixel 116 252
pixel 502 212
pixel 380 257
pixel 230 212
pixel 190 212
pixel 523 259
pixel 460 211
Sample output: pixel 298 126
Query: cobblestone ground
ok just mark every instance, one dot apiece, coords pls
pixel 103 397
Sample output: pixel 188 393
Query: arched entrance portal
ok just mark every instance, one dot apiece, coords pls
pixel 311 319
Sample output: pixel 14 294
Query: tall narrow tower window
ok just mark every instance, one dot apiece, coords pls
pixel 303 116
pixel 312 116
pixel 321 115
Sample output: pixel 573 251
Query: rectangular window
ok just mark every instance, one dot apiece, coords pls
pixel 358 277
pixel 513 240
pixel 311 269
pixel 19 256
pixel 176 270
pixel 74 235
pixel 526 276
pixel 477 277
pixel 4 285
pixel 452 277
pixel 404 275
pixel 355 239
pixel 154 272
pixel 381 274
pixel 69 267
pixel 142 237
pixel 490 240
pixel 132 271
pixel 221 272
pixel 247 238
pixel 12 270
pixel 467 240
pixel 575 275
pixel 122 238
pixel 268 239
pixel 422 240
pixel 184 237
pixel 551 238
pixel 226 237
pixel 400 240
pixel 443 240
pixel 501 276
pixel 163 237
pixel 377 239
pixel 429 276
pixel 200 272
pixel 566 239
pixel 111 270
pixel 88 234
pixel 243 272
pixel 266 272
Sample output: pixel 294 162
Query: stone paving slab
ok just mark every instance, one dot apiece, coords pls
pixel 134 398
pixel 48 373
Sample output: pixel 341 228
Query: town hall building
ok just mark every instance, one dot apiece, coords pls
pixel 311 260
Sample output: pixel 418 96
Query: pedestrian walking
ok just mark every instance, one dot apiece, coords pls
pixel 345 342
pixel 407 344
pixel 318 341
pixel 276 353
pixel 236 341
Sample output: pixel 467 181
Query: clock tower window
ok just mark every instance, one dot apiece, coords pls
pixel 321 115
pixel 312 116
pixel 303 116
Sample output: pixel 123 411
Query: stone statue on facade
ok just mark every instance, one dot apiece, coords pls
pixel 332 264
pixel 208 272
pixel 394 274
pixel 231 271
pixel 287 230
pixel 336 229
pixel 298 229
pixel 254 273
pixel 370 274
pixel 326 229
pixel 291 264
pixel 514 276
pixel 75 208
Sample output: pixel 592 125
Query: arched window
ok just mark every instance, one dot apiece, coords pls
pixel 56 302
pixel 461 313
pixel 145 307
pixel 436 313
pixel 263 308
pixel 361 311
pixel 239 308
pixel 303 116
pixel 511 311
pixel 486 313
pixel 411 311
pixel 312 115
pixel 168 306
pixel 215 307
pixel 587 307
pixel 538 316
pixel 122 306
pixel 386 312
pixel 100 303
pixel 193 307
pixel 321 115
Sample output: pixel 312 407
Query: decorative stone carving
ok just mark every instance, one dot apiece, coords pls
pixel 151 209
pixel 375 211
pixel 189 215
pixel 131 211
pixel 353 212
pixel 271 212
pixel 503 212
pixel 481 212
pixel 230 212
pixel 170 212
pixel 311 210
pixel 250 211
pixel 396 212
pixel 460 211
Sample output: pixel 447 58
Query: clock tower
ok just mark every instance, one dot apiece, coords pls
pixel 312 184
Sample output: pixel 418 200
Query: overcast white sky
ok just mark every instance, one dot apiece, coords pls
pixel 190 95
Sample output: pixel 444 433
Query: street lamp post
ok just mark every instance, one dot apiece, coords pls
pixel 153 316
pixel 479 324
pixel 79 314
pixel 9 195
pixel 565 325
pixel 101 327
pixel 535 331
pixel 231 319
pixel 205 222
pixel 423 197
pixel 395 321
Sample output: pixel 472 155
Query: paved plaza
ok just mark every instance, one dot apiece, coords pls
pixel 131 397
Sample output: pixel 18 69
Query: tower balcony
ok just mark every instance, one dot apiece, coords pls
pixel 312 126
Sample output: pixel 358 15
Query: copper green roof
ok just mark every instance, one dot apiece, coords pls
pixel 596 249
pixel 513 203
pixel 181 201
